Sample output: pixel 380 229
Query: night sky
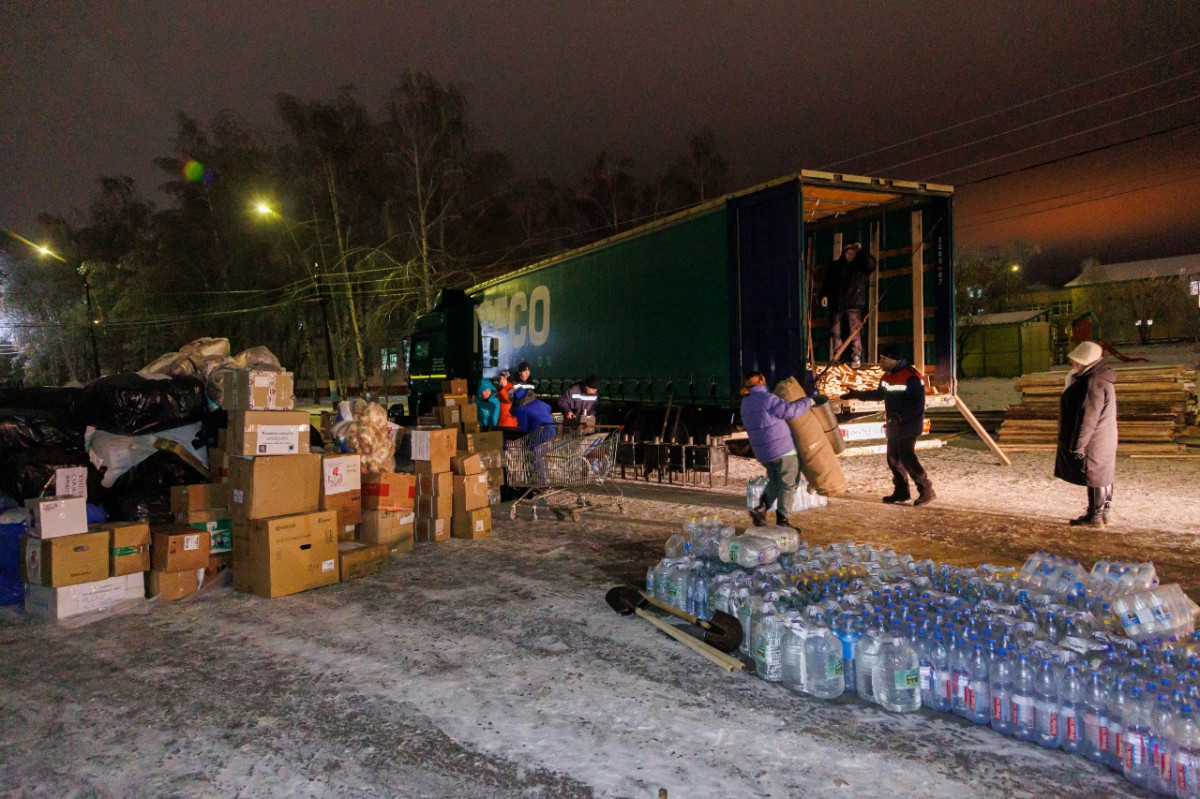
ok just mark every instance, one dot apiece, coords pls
pixel 955 92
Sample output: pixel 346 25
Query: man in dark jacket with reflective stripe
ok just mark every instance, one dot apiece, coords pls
pixel 578 402
pixel 903 393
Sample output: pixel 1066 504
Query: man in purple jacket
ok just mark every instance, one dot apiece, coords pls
pixel 765 416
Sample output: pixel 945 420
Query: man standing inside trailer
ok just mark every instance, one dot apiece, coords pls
pixel 844 294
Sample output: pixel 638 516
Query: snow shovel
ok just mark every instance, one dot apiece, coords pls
pixel 722 631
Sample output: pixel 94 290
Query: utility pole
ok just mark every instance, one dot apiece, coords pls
pixel 334 379
pixel 92 321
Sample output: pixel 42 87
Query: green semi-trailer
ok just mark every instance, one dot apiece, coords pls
pixel 673 313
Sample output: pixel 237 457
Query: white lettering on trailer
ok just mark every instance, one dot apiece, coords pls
pixel 539 333
pixel 519 318
pixel 519 300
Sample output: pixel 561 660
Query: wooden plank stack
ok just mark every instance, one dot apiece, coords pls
pixel 1155 407
pixel 841 378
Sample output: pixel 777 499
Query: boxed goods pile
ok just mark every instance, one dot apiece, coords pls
pixel 284 555
pixel 341 491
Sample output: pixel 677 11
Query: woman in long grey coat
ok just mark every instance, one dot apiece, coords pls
pixel 1087 432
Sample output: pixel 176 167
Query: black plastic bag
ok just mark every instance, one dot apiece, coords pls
pixel 30 428
pixel 131 405
pixel 144 492
pixel 30 473
pixel 57 401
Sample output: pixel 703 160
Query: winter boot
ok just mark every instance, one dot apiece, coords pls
pixel 926 496
pixel 784 521
pixel 1094 517
pixel 899 495
pixel 1106 507
pixel 759 516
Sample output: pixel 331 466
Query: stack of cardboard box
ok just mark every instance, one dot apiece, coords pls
pixel 205 507
pixel 178 558
pixel 454 404
pixel 432 450
pixel 389 500
pixel 472 516
pixel 69 569
pixel 489 447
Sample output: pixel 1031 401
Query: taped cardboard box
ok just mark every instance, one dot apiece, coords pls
pixel 435 484
pixel 466 463
pixel 173 586
pixel 435 505
pixel 388 491
pixel 388 527
pixel 47 603
pixel 253 433
pixel 356 559
pixel 472 524
pixel 456 385
pixel 177 547
pixel 199 497
pixel 286 554
pixel 341 489
pixel 434 445
pixel 470 492
pixel 217 524
pixel 449 417
pixel 276 485
pixel 439 466
pixel 217 564
pixel 495 477
pixel 52 517
pixel 470 423
pixel 455 400
pixel 128 547
pixel 257 390
pixel 428 530
pixel 66 560
pixel 218 463
pixel 491 441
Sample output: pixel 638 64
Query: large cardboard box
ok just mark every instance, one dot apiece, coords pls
pixel 60 603
pixel 51 517
pixel 433 445
pixel 496 476
pixel 201 496
pixel 218 463
pixel 470 492
pixel 449 416
pixel 388 527
pixel 470 423
pixel 253 390
pixel 492 441
pixel 435 484
pixel 275 485
pixel 173 586
pixel 341 490
pixel 66 560
pixel 388 491
pixel 356 559
pixel 454 401
pixel 456 385
pixel 438 466
pixel 466 463
pixel 253 433
pixel 128 547
pixel 286 554
pixel 433 506
pixel 472 524
pixel 177 547
pixel 429 529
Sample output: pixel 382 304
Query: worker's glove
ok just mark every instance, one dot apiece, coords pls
pixel 824 302
pixel 849 395
pixel 819 399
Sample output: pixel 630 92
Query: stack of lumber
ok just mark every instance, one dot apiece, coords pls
pixel 841 378
pixel 1155 406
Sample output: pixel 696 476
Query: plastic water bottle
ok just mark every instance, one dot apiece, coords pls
pixel 939 657
pixel 979 697
pixel 650 581
pixel 792 669
pixel 699 591
pixel 823 667
pixel 849 634
pixel 745 613
pixel 1118 705
pixel 1162 775
pixel 1023 700
pixel 1046 701
pixel 960 677
pixel 1135 741
pixel 768 643
pixel 1095 719
pixel 1186 749
pixel 896 678
pixel 1002 690
pixel 866 656
pixel 677 586
pixel 1070 711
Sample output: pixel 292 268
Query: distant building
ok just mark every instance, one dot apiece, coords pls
pixel 1007 344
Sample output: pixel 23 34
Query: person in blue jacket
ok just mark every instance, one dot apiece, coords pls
pixel 765 418
pixel 902 390
pixel 536 420
pixel 487 404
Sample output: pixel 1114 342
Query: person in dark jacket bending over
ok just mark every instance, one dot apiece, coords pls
pixel 902 390
pixel 578 402
pixel 1087 432
pixel 845 293
pixel 765 416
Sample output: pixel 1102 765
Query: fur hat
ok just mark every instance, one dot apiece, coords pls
pixel 592 382
pixel 1086 354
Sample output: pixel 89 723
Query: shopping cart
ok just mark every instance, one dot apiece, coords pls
pixel 556 460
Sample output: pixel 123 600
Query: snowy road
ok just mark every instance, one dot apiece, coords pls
pixel 494 668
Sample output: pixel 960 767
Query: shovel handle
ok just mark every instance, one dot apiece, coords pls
pixel 674 611
pixel 716 656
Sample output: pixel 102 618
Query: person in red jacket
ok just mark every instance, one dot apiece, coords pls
pixel 504 392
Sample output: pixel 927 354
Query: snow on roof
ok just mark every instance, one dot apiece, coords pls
pixel 1179 266
pixel 1004 318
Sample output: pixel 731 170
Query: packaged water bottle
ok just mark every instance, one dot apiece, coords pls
pixel 960 676
pixel 678 545
pixel 745 614
pixel 896 678
pixel 1000 676
pixel 849 634
pixel 1046 699
pixel 866 656
pixel 824 670
pixel 768 644
pixel 785 539
pixel 943 689
pixel 1118 694
pixel 1135 741
pixel 1024 727
pixel 1070 711
pixel 748 551
pixel 1096 736
pixel 793 669
pixel 1186 749
pixel 677 586
pixel 700 596
pixel 1162 774
pixel 650 581
pixel 979 696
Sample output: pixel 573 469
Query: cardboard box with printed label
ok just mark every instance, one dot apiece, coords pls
pixel 470 492
pixel 456 385
pixel 449 416
pixel 176 548
pixel 387 527
pixel 472 524
pixel 427 530
pixel 356 559
pixel 433 445
pixel 70 481
pixel 466 463
pixel 453 400
pixel 199 497
pixel 217 524
pixel 256 390
pixel 276 485
pixel 253 433
pixel 285 555
pixel 66 560
pixel 388 491
pixel 173 586
pixel 218 463
pixel 128 546
pixel 51 517
pixel 43 602
pixel 492 441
